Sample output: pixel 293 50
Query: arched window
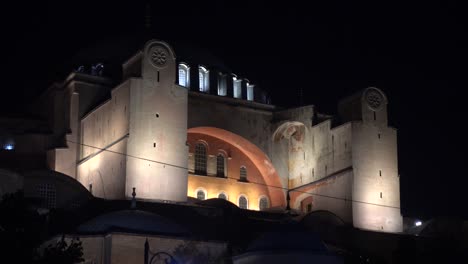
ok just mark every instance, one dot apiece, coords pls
pixel 222 85
pixel 203 79
pixel 263 203
pixel 243 173
pixel 220 165
pixel 184 75
pixel 237 87
pixel 201 194
pixel 250 92
pixel 200 159
pixel 243 203
pixel 222 195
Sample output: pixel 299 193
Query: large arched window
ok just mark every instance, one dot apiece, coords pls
pixel 263 203
pixel 203 79
pixel 184 75
pixel 243 173
pixel 201 194
pixel 222 195
pixel 243 202
pixel 200 159
pixel 220 165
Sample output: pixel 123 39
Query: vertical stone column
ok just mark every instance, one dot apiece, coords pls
pixel 157 151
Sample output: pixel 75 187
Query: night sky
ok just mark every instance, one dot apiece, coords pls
pixel 417 54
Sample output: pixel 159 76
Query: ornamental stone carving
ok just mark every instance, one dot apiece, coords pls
pixel 158 56
pixel 374 98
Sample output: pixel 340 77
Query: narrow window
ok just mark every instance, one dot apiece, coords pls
pixel 380 194
pixel 222 86
pixel 380 173
pixel 309 207
pixel 263 203
pixel 237 87
pixel 375 117
pixel 203 79
pixel 220 165
pixel 154 144
pixel 250 92
pixel 200 159
pixel 243 173
pixel 378 135
pixel 243 202
pixel 201 195
pixel 184 75
pixel 158 77
pixel 222 196
pixel 313 172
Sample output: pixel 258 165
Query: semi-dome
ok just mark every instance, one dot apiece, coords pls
pixel 133 221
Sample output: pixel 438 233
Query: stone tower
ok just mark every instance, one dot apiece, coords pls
pixel 156 148
pixel 376 183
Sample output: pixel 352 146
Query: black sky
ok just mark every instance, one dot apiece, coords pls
pixel 416 53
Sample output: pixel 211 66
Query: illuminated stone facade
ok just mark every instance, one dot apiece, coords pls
pixel 143 134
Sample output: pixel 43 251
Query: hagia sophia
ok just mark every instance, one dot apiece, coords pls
pixel 175 132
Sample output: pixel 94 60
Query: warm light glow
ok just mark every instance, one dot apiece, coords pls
pixel 233 187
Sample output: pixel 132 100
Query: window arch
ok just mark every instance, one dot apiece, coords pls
pixel 263 203
pixel 250 92
pixel 223 195
pixel 201 194
pixel 243 202
pixel 237 87
pixel 220 165
pixel 184 75
pixel 200 159
pixel 243 173
pixel 203 79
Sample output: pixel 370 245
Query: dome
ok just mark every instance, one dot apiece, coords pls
pixel 134 221
pixel 56 189
pixel 115 50
pixel 284 247
pixel 287 240
pixel 219 203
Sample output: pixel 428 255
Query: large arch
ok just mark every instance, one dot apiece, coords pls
pixel 290 146
pixel 261 161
